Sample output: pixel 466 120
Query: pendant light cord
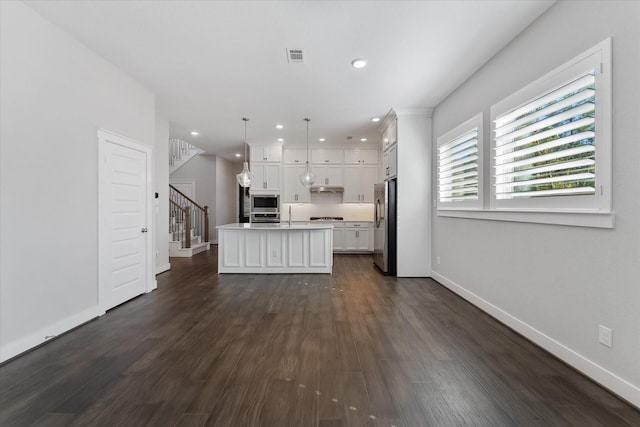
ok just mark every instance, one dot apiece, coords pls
pixel 307 120
pixel 245 137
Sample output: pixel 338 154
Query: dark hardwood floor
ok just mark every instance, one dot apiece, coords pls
pixel 351 349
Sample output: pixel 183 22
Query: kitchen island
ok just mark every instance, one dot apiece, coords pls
pixel 275 248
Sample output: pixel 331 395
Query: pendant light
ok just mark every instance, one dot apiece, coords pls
pixel 307 178
pixel 244 178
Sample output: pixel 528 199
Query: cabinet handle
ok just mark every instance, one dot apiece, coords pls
pixel 357 234
pixel 295 161
pixel 326 161
pixel 326 180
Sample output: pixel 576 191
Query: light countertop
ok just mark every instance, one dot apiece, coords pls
pixel 280 226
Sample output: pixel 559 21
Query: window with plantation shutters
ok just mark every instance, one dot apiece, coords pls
pixel 551 146
pixel 460 166
pixel 547 147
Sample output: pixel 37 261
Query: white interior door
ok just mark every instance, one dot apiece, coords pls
pixel 125 206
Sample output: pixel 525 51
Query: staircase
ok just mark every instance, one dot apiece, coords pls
pixel 180 152
pixel 188 225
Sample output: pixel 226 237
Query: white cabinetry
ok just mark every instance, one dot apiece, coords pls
pixel 390 149
pixel 266 164
pixel 295 156
pixel 327 156
pixel 328 174
pixel 274 249
pixel 266 154
pixel 361 157
pixel 357 236
pixel 390 134
pixel 266 177
pixel 358 183
pixel 390 163
pixel 338 238
pixel 294 191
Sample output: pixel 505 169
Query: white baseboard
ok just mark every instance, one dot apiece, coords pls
pixel 163 268
pixel 602 376
pixel 12 349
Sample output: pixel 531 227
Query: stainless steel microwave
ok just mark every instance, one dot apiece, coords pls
pixel 265 203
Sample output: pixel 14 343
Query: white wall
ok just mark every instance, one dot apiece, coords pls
pixel 161 186
pixel 202 169
pixel 226 193
pixel 556 284
pixel 413 212
pixel 55 95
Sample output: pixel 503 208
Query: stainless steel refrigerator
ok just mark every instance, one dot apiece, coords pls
pixel 384 227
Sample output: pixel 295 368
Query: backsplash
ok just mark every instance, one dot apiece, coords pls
pixel 320 206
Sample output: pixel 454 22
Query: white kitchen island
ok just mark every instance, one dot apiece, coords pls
pixel 275 248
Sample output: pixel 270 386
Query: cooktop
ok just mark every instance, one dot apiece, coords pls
pixel 325 218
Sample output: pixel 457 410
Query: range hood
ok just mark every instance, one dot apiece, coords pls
pixel 326 189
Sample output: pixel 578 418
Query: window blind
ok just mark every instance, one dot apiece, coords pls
pixel 458 168
pixel 546 147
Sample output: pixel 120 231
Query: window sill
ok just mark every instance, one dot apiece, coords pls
pixel 571 218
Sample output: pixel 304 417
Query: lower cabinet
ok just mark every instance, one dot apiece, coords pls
pixel 352 237
pixel 338 238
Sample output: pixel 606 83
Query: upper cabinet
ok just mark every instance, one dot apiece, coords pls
pixel 389 168
pixel 266 154
pixel 358 183
pixel 295 156
pixel 390 163
pixel 361 157
pixel 266 164
pixel 390 135
pixel 327 156
pixel 355 169
pixel 294 191
pixel 329 174
pixel 266 177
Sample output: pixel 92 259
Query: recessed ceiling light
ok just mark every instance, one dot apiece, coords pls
pixel 375 119
pixel 238 155
pixel 363 139
pixel 321 139
pixel 359 63
pixel 279 126
pixel 194 133
pixel 280 139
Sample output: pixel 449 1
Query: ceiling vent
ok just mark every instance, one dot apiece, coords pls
pixel 295 56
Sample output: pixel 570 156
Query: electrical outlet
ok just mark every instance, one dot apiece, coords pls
pixel 605 336
pixel 438 260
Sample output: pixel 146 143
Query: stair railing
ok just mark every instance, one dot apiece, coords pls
pixel 186 217
pixel 177 148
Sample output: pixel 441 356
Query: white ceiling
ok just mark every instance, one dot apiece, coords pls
pixel 210 63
